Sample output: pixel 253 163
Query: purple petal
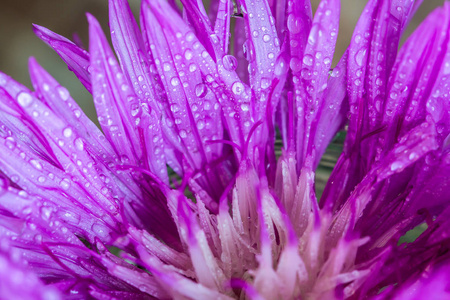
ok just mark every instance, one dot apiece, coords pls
pixel 76 58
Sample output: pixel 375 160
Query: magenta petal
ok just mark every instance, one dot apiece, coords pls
pixel 76 58
pixel 128 43
pixel 112 94
pixel 222 24
pixel 316 60
pixel 18 282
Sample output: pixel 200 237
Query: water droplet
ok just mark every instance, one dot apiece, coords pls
pixel 63 93
pixel 308 60
pixel 237 88
pixel 36 164
pixel 111 61
pixel 245 107
pixel 413 156
pixel 174 81
pixel 24 99
pixel 265 83
pixel 135 108
pixel 166 67
pixel 266 38
pixel 67 132
pixel 65 183
pixel 201 90
pixel 393 95
pixel 314 34
pixel 79 144
pixel 293 24
pixel 249 50
pixel 174 108
pixel 201 124
pixel 188 54
pixel 281 67
pixel 190 36
pixel 380 56
pixel 99 230
pixel 359 57
pixel 192 67
pixel 396 166
pixel 183 134
pixel 295 64
pixel 446 69
pixel 46 212
pixel 229 62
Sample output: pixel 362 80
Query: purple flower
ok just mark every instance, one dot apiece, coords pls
pixel 180 195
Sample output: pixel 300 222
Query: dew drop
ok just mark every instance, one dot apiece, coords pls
pixel 293 24
pixel 396 166
pixel 413 156
pixel 36 164
pixel 166 67
pixel 67 132
pixel 266 38
pixel 201 90
pixel 99 230
pixel 174 81
pixel 281 67
pixel 229 62
pixel 63 93
pixel 111 61
pixel 245 107
pixel 24 99
pixel 308 60
pixel 265 83
pixel 201 124
pixel 192 67
pixel 393 95
pixel 190 36
pixel 359 58
pixel 65 184
pixel 446 69
pixel 188 54
pixel 237 88
pixel 295 64
pixel 79 144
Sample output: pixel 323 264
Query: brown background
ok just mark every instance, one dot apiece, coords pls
pixel 17 41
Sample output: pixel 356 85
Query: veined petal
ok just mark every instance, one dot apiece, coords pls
pixel 309 88
pixel 222 23
pixel 261 49
pixel 112 95
pixel 18 282
pixel 413 146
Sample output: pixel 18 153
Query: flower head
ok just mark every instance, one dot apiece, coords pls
pixel 181 194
